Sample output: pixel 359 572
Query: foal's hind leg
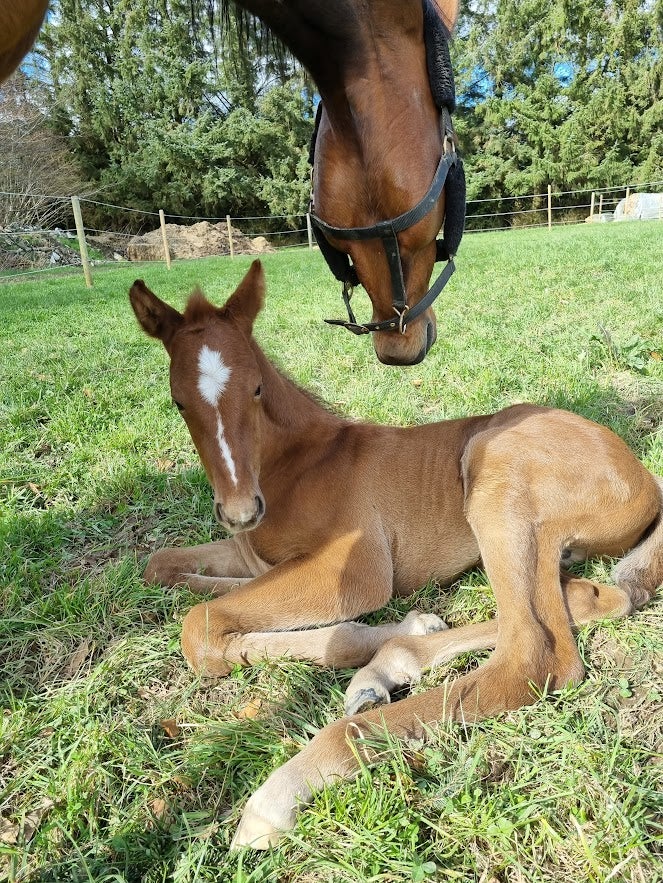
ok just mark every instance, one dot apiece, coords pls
pixel 403 660
pixel 335 752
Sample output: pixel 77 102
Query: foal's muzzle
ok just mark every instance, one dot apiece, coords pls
pixel 243 515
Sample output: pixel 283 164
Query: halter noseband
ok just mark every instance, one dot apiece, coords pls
pixel 449 172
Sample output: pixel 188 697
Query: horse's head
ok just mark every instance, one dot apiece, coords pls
pixel 378 147
pixel 215 382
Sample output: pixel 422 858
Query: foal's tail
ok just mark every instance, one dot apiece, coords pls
pixel 640 572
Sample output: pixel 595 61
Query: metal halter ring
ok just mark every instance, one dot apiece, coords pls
pixel 402 324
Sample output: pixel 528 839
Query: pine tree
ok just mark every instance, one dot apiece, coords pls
pixel 164 108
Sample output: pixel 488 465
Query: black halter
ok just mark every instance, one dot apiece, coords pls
pixel 449 173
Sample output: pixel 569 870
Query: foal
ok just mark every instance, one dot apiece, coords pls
pixel 325 528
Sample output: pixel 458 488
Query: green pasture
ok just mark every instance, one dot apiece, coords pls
pixel 116 764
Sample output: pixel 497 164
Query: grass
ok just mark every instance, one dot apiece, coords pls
pixel 117 765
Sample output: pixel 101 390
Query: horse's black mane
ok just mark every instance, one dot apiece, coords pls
pixel 440 74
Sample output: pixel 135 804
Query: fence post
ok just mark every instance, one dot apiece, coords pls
pixel 591 210
pixel 80 229
pixel 601 204
pixel 549 206
pixel 309 230
pixel 230 237
pixel 628 193
pixel 164 236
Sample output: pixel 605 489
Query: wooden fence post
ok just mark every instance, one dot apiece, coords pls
pixel 309 230
pixel 164 236
pixel 601 204
pixel 230 237
pixel 80 229
pixel 549 207
pixel 628 193
pixel 591 210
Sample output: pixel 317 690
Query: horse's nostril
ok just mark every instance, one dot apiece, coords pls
pixel 260 507
pixel 431 335
pixel 218 512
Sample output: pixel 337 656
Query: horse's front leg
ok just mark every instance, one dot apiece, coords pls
pixel 343 579
pixel 211 568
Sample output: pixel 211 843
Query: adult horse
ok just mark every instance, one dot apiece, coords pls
pixel 20 21
pixel 383 72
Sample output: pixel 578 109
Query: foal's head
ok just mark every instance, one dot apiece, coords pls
pixel 215 382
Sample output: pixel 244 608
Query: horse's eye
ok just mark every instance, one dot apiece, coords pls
pixel 258 392
pixel 179 406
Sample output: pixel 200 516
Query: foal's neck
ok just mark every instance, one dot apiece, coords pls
pixel 294 416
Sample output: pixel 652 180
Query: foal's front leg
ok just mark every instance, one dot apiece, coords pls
pixel 345 578
pixel 211 568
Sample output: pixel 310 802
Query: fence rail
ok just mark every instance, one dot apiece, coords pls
pixel 551 208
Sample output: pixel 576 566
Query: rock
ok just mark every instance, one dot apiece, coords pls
pixel 37 251
pixel 603 218
pixel 260 245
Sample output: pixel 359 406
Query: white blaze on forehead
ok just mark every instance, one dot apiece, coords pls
pixel 213 375
pixel 226 453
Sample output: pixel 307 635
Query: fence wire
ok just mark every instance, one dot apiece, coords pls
pixel 112 246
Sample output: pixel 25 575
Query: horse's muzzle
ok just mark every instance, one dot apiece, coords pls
pixel 239 516
pixel 391 350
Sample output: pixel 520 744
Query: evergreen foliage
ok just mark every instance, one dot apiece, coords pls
pixel 165 108
pixel 563 93
pixel 190 105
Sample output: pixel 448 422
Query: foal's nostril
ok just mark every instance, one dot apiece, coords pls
pixel 238 518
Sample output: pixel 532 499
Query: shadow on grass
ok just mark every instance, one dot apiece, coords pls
pixel 634 413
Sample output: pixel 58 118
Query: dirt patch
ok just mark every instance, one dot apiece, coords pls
pixel 195 241
pixel 113 246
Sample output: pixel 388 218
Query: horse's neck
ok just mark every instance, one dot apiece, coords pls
pixel 292 415
pixel 334 40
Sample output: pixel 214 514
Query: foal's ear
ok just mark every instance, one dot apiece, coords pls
pixel 448 10
pixel 247 300
pixel 155 316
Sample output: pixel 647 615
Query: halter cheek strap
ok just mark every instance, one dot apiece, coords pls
pixel 387 231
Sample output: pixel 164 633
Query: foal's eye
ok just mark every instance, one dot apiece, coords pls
pixel 179 406
pixel 257 393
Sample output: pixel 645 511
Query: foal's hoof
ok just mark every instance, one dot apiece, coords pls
pixel 423 623
pixel 365 699
pixel 255 831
